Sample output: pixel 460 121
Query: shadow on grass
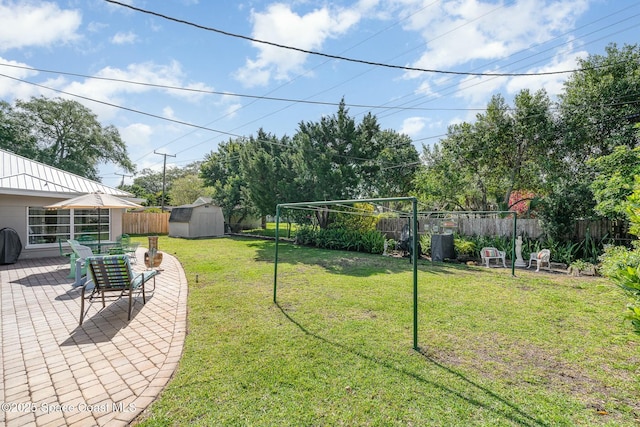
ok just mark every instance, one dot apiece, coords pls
pixel 511 412
pixel 349 263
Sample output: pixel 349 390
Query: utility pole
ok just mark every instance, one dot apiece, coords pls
pixel 123 175
pixel 164 174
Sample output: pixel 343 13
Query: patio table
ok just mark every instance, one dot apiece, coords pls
pixel 94 244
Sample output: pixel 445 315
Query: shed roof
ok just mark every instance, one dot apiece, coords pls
pixel 22 176
pixel 183 213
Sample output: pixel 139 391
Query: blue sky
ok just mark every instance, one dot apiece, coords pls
pixel 95 38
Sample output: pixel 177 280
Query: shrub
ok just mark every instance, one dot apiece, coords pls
pixel 306 235
pixel 365 222
pixel 391 244
pixel 152 210
pixel 617 258
pixel 629 280
pixel 371 241
pixel 425 243
pixel 464 247
pixel 580 265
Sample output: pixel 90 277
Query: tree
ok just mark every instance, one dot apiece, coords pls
pixel 460 172
pixel 598 102
pixel 69 136
pixel 478 165
pixel 336 159
pixel 140 192
pixel 326 157
pixel 267 166
pixel 614 180
pixel 515 142
pixel 569 198
pixel 595 111
pixel 397 162
pixel 148 183
pixel 222 171
pixel 187 189
pixel 441 184
pixel 13 136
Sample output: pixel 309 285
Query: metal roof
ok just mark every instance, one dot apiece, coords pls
pixel 26 177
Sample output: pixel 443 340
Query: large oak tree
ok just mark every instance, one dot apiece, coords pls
pixel 64 134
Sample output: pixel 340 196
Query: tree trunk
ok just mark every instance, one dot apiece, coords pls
pixel 322 215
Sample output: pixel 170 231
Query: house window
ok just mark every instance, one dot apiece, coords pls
pixel 47 225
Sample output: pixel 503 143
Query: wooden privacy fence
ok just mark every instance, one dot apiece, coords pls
pixel 531 228
pixel 145 223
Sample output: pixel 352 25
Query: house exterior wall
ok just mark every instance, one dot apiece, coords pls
pixel 13 213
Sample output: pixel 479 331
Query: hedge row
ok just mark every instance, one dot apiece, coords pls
pixel 371 241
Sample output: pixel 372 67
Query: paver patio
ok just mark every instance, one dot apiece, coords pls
pixel 105 372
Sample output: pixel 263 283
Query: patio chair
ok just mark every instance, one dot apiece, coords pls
pixel 130 250
pixel 62 252
pixel 112 275
pixel 81 253
pixel 542 257
pixel 490 253
pixel 85 238
pixel 124 239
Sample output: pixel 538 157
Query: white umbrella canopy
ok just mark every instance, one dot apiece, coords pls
pixel 94 201
pixel 97 201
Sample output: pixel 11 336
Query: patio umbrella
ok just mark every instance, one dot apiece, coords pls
pixel 97 201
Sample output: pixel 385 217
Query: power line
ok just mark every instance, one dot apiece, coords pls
pixel 338 57
pixel 529 48
pixel 123 176
pixel 121 107
pixel 164 174
pixel 239 95
pixel 266 141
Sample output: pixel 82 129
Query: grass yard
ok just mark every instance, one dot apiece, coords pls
pixel 536 350
pixel 285 230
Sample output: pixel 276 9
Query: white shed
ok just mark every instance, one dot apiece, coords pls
pixel 199 219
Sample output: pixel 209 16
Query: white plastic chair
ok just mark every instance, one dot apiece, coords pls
pixel 542 257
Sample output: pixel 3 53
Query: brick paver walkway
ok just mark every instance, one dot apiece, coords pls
pixel 105 372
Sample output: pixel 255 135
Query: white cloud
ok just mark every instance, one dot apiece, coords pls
pixel 461 34
pixel 466 30
pixel 25 24
pixel 10 88
pixel 96 27
pixel 137 135
pixel 230 105
pixel 168 112
pixel 279 24
pixel 147 73
pixel 412 126
pixel 477 90
pixel 425 89
pixel 124 38
pixel 552 83
pixel 232 110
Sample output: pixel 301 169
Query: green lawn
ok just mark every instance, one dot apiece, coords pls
pixel 285 230
pixel 536 350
